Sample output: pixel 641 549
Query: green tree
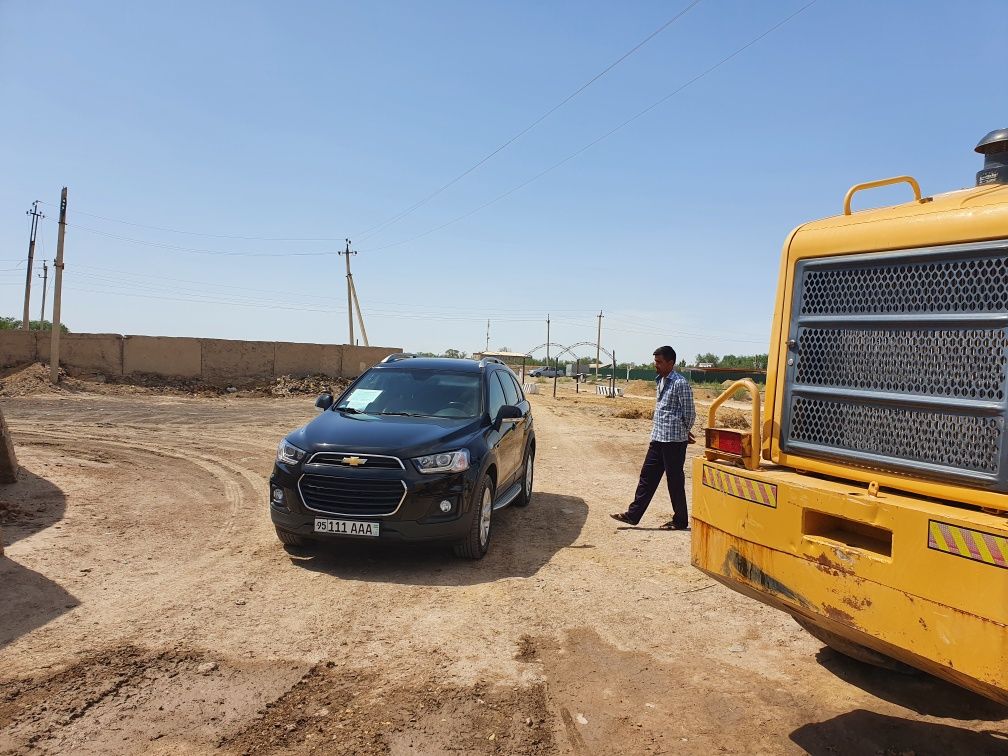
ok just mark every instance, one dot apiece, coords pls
pixel 709 358
pixel 744 361
pixel 14 324
pixel 457 354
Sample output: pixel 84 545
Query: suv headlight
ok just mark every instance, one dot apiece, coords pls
pixel 452 461
pixel 289 454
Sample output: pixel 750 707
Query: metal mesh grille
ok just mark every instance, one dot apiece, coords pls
pixel 950 440
pixel 899 360
pixel 352 496
pixel 961 363
pixel 958 285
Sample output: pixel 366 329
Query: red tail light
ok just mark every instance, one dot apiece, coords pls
pixel 728 441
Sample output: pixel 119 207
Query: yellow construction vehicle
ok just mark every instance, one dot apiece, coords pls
pixel 870 498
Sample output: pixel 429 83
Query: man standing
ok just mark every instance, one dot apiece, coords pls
pixel 670 434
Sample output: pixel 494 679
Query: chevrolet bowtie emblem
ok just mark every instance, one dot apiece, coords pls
pixel 354 461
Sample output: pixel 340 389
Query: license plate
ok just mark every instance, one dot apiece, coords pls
pixel 346 527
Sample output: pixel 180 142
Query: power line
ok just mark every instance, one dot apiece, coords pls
pixel 606 135
pixel 457 219
pixel 536 122
pixel 118 290
pixel 111 287
pixel 196 250
pixel 657 328
pixel 128 278
pixel 197 233
pixel 712 335
pixel 117 285
pixel 407 211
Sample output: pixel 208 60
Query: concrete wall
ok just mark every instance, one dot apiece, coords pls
pixel 357 359
pixel 85 352
pixel 162 355
pixel 300 360
pixel 224 359
pixel 211 360
pixel 17 348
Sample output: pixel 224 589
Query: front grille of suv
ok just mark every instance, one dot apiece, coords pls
pixel 352 496
pixel 363 461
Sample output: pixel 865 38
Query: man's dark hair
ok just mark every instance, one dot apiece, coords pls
pixel 666 352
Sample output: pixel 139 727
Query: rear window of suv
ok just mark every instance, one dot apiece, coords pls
pixel 419 393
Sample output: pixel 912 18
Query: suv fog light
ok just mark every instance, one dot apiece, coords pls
pixel 278 495
pixel 446 506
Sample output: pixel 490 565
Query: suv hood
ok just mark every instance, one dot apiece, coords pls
pixel 382 434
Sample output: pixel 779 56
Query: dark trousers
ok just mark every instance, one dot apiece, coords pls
pixel 663 457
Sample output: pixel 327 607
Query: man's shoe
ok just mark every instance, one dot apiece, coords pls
pixel 670 525
pixel 621 516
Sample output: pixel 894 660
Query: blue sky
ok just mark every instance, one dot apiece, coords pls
pixel 299 124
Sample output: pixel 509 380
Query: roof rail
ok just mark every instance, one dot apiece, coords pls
pixel 485 360
pixel 399 356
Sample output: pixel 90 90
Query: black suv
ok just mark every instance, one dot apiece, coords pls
pixel 416 449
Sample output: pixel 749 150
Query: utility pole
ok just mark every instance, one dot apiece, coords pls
pixel 547 338
pixel 57 293
pixel 349 291
pixel 35 215
pixel 598 344
pixel 44 277
pixel 360 318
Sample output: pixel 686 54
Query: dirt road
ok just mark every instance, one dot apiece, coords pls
pixel 145 605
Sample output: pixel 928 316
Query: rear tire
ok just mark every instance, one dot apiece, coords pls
pixel 477 540
pixel 854 650
pixel 525 497
pixel 289 539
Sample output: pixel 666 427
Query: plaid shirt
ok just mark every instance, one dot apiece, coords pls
pixel 674 411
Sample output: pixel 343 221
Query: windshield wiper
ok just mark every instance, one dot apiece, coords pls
pixel 350 410
pixel 401 414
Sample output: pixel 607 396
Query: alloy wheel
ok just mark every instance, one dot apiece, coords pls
pixel 486 508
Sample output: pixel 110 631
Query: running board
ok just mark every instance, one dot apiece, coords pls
pixel 508 496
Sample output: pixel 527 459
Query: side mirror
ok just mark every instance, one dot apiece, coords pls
pixel 324 402
pixel 508 413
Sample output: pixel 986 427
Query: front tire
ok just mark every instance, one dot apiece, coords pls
pixel 525 497
pixel 477 540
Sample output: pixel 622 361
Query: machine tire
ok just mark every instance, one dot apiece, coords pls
pixel 854 650
pixel 290 539
pixel 476 544
pixel 528 473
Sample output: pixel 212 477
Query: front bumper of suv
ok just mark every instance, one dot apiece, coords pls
pixel 405 503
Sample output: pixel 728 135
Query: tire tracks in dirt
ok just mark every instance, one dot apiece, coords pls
pixel 617 618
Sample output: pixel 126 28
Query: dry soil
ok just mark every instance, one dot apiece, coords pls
pixel 146 606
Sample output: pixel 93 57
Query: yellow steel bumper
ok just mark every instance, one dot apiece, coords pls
pixel 917 580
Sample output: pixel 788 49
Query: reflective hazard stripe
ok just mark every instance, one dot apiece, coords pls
pixel 972 544
pixel 741 487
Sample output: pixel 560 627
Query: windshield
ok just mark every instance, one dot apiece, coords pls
pixel 417 393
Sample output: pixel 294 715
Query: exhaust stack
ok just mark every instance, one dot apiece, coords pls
pixel 994 148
